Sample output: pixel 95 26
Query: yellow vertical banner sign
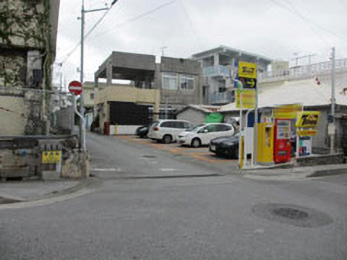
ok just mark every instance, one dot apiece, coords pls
pixel 248 98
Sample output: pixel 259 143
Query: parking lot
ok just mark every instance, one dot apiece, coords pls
pixel 200 154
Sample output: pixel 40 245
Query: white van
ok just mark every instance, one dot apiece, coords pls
pixel 203 134
pixel 167 131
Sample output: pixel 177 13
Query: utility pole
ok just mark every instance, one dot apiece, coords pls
pixel 331 126
pixel 255 126
pixel 83 12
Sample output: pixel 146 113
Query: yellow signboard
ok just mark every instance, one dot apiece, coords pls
pixel 307 119
pixel 307 132
pixel 248 98
pixel 51 156
pixel 247 70
pixel 287 111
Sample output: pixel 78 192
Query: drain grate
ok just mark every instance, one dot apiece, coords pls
pixel 292 215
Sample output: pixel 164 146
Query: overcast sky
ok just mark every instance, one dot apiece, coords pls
pixel 277 29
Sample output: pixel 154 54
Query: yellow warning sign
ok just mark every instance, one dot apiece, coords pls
pixel 51 156
pixel 247 70
pixel 248 98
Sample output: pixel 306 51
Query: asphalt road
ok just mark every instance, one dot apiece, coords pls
pixel 152 204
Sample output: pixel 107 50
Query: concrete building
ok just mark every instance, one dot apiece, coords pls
pixel 179 81
pixel 217 65
pixel 121 109
pixel 27 50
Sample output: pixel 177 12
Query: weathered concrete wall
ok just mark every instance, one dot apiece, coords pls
pixel 27 26
pixel 184 66
pixel 13 68
pixel 133 61
pixel 191 115
pixel 180 67
pixel 12 115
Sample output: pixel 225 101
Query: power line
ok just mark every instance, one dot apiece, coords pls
pixel 86 35
pixel 138 17
pixel 116 26
pixel 313 25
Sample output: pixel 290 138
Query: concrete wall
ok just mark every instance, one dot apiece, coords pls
pixel 123 94
pixel 12 117
pixel 192 115
pixel 178 97
pixel 133 61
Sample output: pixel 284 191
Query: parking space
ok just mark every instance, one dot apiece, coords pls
pixel 201 153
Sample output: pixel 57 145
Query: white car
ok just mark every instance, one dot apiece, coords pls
pixel 203 134
pixel 167 131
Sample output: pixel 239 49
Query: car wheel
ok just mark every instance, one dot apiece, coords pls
pixel 196 143
pixel 167 139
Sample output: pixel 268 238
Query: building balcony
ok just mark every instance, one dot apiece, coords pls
pixel 215 71
pixel 221 98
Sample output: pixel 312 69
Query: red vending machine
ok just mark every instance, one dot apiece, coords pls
pixel 282 144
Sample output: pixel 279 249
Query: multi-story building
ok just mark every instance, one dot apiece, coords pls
pixel 218 65
pixel 28 32
pixel 179 80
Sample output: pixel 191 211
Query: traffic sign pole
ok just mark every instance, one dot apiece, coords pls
pixel 75 87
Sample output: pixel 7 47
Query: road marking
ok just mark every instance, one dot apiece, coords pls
pixel 107 169
pixel 169 170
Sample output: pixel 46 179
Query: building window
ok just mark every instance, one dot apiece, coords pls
pixel 187 82
pixel 169 81
pixel 91 96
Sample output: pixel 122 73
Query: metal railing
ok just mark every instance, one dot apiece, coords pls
pixel 305 71
pixel 219 98
pixel 218 70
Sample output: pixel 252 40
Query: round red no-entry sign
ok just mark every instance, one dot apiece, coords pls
pixel 75 87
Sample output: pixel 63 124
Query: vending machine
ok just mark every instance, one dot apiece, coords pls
pixel 282 141
pixel 265 143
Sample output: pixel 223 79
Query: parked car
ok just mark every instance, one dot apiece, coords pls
pixel 203 134
pixel 226 146
pixel 167 131
pixel 142 131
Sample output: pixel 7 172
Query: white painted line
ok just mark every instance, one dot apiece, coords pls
pixel 169 170
pixel 107 169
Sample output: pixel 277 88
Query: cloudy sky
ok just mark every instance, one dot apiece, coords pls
pixel 277 29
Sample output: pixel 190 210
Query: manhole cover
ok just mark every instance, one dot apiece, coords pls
pixel 149 156
pixel 292 214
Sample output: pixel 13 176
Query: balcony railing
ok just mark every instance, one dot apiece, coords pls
pixel 221 98
pixel 306 71
pixel 218 70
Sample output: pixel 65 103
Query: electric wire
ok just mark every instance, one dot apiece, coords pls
pixel 136 18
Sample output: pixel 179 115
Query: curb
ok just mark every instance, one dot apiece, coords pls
pixel 83 187
pixel 331 172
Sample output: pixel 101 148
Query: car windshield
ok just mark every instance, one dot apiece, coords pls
pixel 195 128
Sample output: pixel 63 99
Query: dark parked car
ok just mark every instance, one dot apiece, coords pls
pixel 142 131
pixel 226 146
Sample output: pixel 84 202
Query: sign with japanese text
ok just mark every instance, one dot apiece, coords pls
pixel 51 157
pixel 247 70
pixel 307 119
